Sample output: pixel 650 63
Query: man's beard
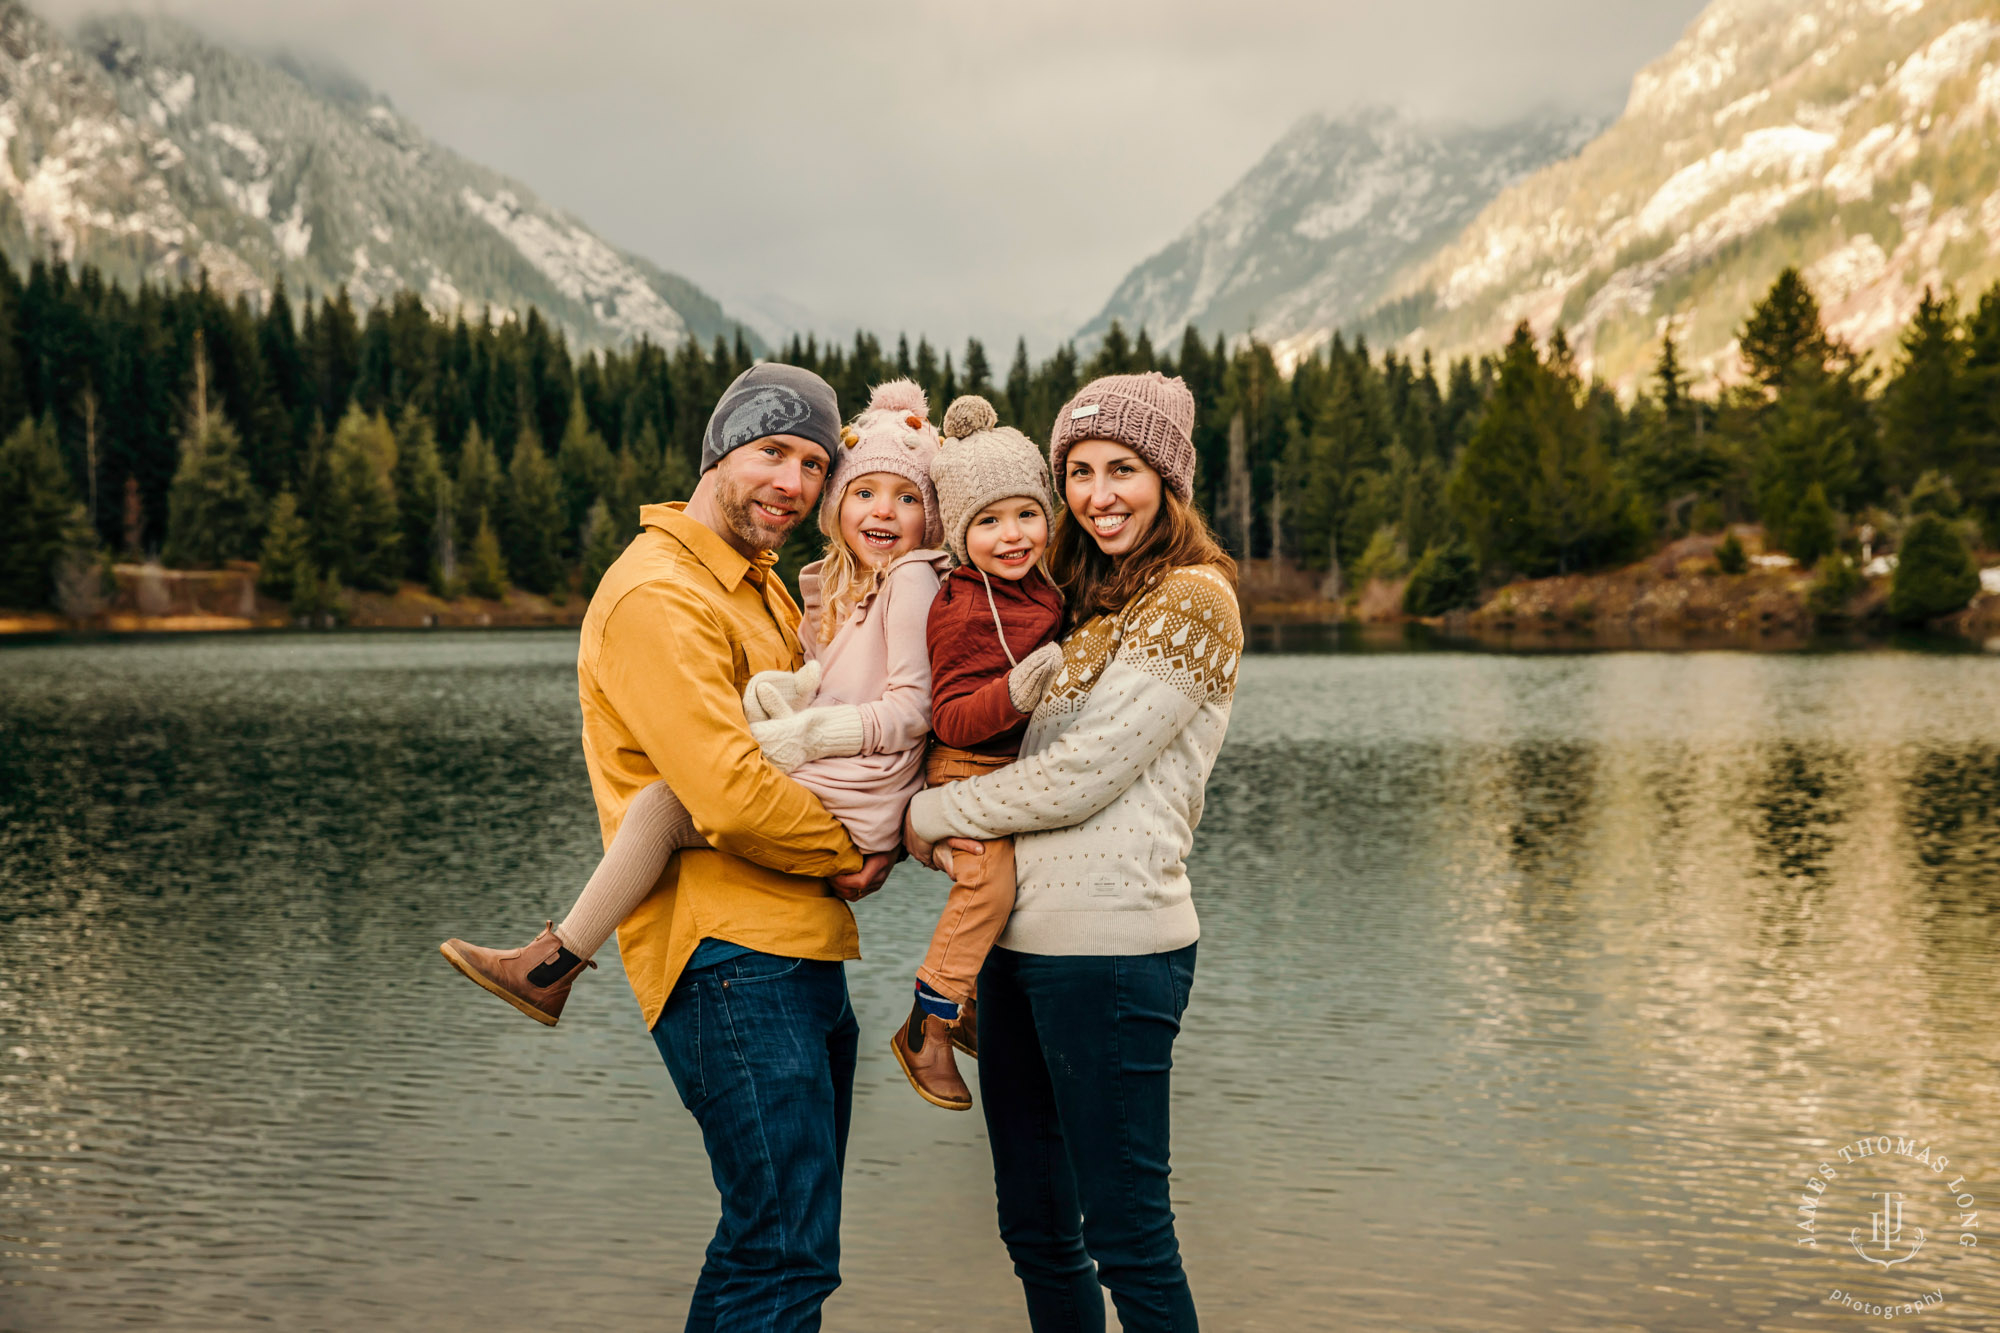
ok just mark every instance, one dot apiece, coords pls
pixel 758 534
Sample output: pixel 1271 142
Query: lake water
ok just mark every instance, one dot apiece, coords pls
pixel 1531 993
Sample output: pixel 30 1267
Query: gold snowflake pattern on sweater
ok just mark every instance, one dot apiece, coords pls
pixel 1185 631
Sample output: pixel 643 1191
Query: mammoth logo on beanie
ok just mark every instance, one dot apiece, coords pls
pixel 771 410
pixel 772 399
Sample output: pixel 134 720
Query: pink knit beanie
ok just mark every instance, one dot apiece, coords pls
pixel 1149 414
pixel 892 434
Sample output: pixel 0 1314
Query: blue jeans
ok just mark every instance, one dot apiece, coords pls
pixel 1075 1055
pixel 761 1050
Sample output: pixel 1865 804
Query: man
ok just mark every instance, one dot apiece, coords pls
pixel 736 958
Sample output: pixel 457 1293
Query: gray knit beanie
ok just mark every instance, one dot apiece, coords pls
pixel 1149 414
pixel 772 399
pixel 980 463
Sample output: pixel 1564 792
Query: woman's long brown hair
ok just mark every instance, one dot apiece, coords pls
pixel 1094 583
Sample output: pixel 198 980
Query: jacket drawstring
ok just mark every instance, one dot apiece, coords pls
pixel 998 628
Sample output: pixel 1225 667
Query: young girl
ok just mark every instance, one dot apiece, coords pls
pixel 850 726
pixel 992 644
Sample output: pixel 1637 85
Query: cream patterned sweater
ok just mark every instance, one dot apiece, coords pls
pixel 1108 789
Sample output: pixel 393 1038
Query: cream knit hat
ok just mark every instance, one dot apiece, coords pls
pixel 1149 414
pixel 981 462
pixel 892 434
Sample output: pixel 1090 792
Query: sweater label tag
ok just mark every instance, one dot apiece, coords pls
pixel 1104 886
pixel 1082 412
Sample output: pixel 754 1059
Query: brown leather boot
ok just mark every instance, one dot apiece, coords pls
pixel 923 1048
pixel 510 975
pixel 965 1032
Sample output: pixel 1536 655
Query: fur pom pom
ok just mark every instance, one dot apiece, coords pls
pixel 900 396
pixel 968 415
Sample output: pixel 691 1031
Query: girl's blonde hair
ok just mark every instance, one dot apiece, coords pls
pixel 844 582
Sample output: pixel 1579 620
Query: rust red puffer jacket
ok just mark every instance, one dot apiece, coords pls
pixel 970 707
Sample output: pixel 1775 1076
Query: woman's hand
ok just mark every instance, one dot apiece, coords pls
pixel 936 855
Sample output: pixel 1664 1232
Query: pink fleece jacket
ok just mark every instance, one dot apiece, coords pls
pixel 878 661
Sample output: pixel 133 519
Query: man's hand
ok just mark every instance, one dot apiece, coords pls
pixel 858 884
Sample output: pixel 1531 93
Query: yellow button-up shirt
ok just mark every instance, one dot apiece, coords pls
pixel 674 632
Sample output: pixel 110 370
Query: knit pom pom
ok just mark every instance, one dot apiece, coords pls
pixel 969 415
pixel 900 396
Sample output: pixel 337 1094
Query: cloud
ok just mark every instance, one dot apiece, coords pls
pixel 924 165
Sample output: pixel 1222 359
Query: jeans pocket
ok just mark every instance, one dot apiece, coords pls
pixel 678 1035
pixel 753 968
pixel 1180 968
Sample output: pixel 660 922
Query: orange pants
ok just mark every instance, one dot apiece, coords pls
pixel 982 890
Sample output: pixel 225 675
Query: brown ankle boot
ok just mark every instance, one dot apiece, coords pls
pixel 965 1032
pixel 923 1048
pixel 509 974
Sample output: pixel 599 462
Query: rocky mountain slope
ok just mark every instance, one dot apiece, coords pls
pixel 1309 239
pixel 143 148
pixel 1853 138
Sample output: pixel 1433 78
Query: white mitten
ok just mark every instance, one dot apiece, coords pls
pixel 780 693
pixel 817 733
pixel 1029 680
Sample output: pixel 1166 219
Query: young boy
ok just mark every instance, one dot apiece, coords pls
pixel 993 649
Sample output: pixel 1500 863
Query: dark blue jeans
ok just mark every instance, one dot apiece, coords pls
pixel 1075 1055
pixel 761 1050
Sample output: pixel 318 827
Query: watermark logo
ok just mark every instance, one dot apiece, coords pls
pixel 1886 1230
pixel 1880 1201
pixel 1894 1174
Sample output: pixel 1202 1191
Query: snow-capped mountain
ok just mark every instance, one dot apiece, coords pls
pixel 1310 238
pixel 143 148
pixel 1855 139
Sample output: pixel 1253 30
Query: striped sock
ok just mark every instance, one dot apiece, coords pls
pixel 936 1004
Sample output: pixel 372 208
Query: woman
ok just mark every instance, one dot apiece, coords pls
pixel 1080 1002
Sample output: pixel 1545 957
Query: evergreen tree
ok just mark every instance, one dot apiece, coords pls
pixel 1935 575
pixel 285 566
pixel 1807 444
pixel 1114 354
pixel 1784 333
pixel 646 475
pixel 485 567
pixel 83 570
pixel 1445 578
pixel 422 494
pixel 1020 384
pixel 587 470
pixel 1730 557
pixel 603 542
pixel 978 371
pixel 1924 405
pixel 35 507
pixel 1811 529
pixel 357 524
pixel 1532 487
pixel 212 509
pixel 477 492
pixel 1673 460
pixel 532 518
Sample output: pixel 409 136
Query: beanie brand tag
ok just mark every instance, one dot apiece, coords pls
pixel 1082 412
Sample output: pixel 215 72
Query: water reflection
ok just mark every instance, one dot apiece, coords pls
pixel 1529 991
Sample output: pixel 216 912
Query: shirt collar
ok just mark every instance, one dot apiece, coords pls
pixel 722 560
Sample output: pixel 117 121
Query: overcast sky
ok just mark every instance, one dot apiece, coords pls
pixel 943 166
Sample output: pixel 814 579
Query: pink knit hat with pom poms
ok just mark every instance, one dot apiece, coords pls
pixel 892 434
